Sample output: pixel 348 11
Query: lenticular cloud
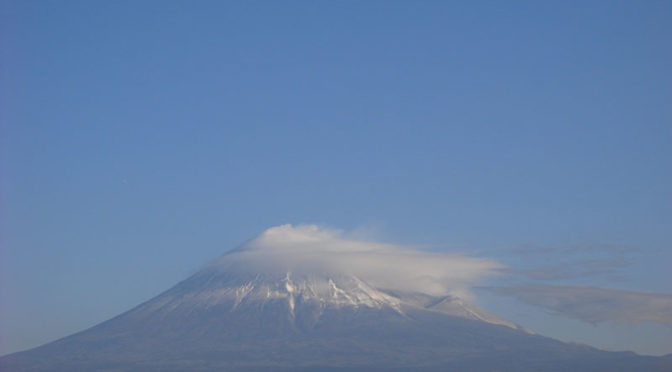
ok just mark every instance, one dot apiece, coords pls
pixel 314 251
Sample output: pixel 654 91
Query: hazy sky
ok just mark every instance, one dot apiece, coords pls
pixel 139 140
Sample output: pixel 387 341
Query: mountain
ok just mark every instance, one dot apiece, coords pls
pixel 237 315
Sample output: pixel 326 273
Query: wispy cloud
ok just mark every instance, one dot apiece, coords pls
pixel 611 249
pixel 313 250
pixel 603 261
pixel 595 305
pixel 608 267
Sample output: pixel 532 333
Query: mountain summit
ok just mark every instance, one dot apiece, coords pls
pixel 307 299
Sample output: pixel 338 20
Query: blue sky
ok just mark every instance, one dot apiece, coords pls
pixel 138 140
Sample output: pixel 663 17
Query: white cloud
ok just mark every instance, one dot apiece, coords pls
pixel 312 250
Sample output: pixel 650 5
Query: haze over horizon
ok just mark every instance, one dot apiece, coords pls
pixel 516 155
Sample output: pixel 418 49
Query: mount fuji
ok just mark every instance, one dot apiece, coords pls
pixel 306 299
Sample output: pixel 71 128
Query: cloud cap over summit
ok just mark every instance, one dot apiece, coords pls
pixel 312 250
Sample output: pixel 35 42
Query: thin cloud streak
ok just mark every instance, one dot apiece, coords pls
pixel 606 262
pixel 593 304
pixel 598 267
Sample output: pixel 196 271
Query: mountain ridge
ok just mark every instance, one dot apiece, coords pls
pixel 193 327
pixel 285 306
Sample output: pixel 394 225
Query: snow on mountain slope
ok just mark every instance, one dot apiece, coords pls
pixel 316 269
pixel 309 268
pixel 305 299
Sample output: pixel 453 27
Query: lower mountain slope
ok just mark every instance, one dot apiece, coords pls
pixel 220 321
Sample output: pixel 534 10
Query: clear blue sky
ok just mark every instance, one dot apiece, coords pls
pixel 138 140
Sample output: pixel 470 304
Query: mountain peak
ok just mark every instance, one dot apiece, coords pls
pixel 307 269
pixel 312 251
pixel 307 299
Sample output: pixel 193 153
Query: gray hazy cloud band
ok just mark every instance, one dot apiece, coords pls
pixel 585 268
pixel 602 261
pixel 595 305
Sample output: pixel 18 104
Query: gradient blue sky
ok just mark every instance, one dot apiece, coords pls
pixel 139 140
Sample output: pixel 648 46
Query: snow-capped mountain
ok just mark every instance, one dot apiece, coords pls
pixel 303 296
pixel 304 303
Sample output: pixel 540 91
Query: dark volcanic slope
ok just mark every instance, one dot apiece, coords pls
pixel 217 321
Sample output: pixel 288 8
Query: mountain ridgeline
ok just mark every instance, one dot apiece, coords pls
pixel 238 318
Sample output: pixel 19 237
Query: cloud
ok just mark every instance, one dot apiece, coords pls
pixel 312 250
pixel 610 268
pixel 593 261
pixel 595 305
pixel 609 249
